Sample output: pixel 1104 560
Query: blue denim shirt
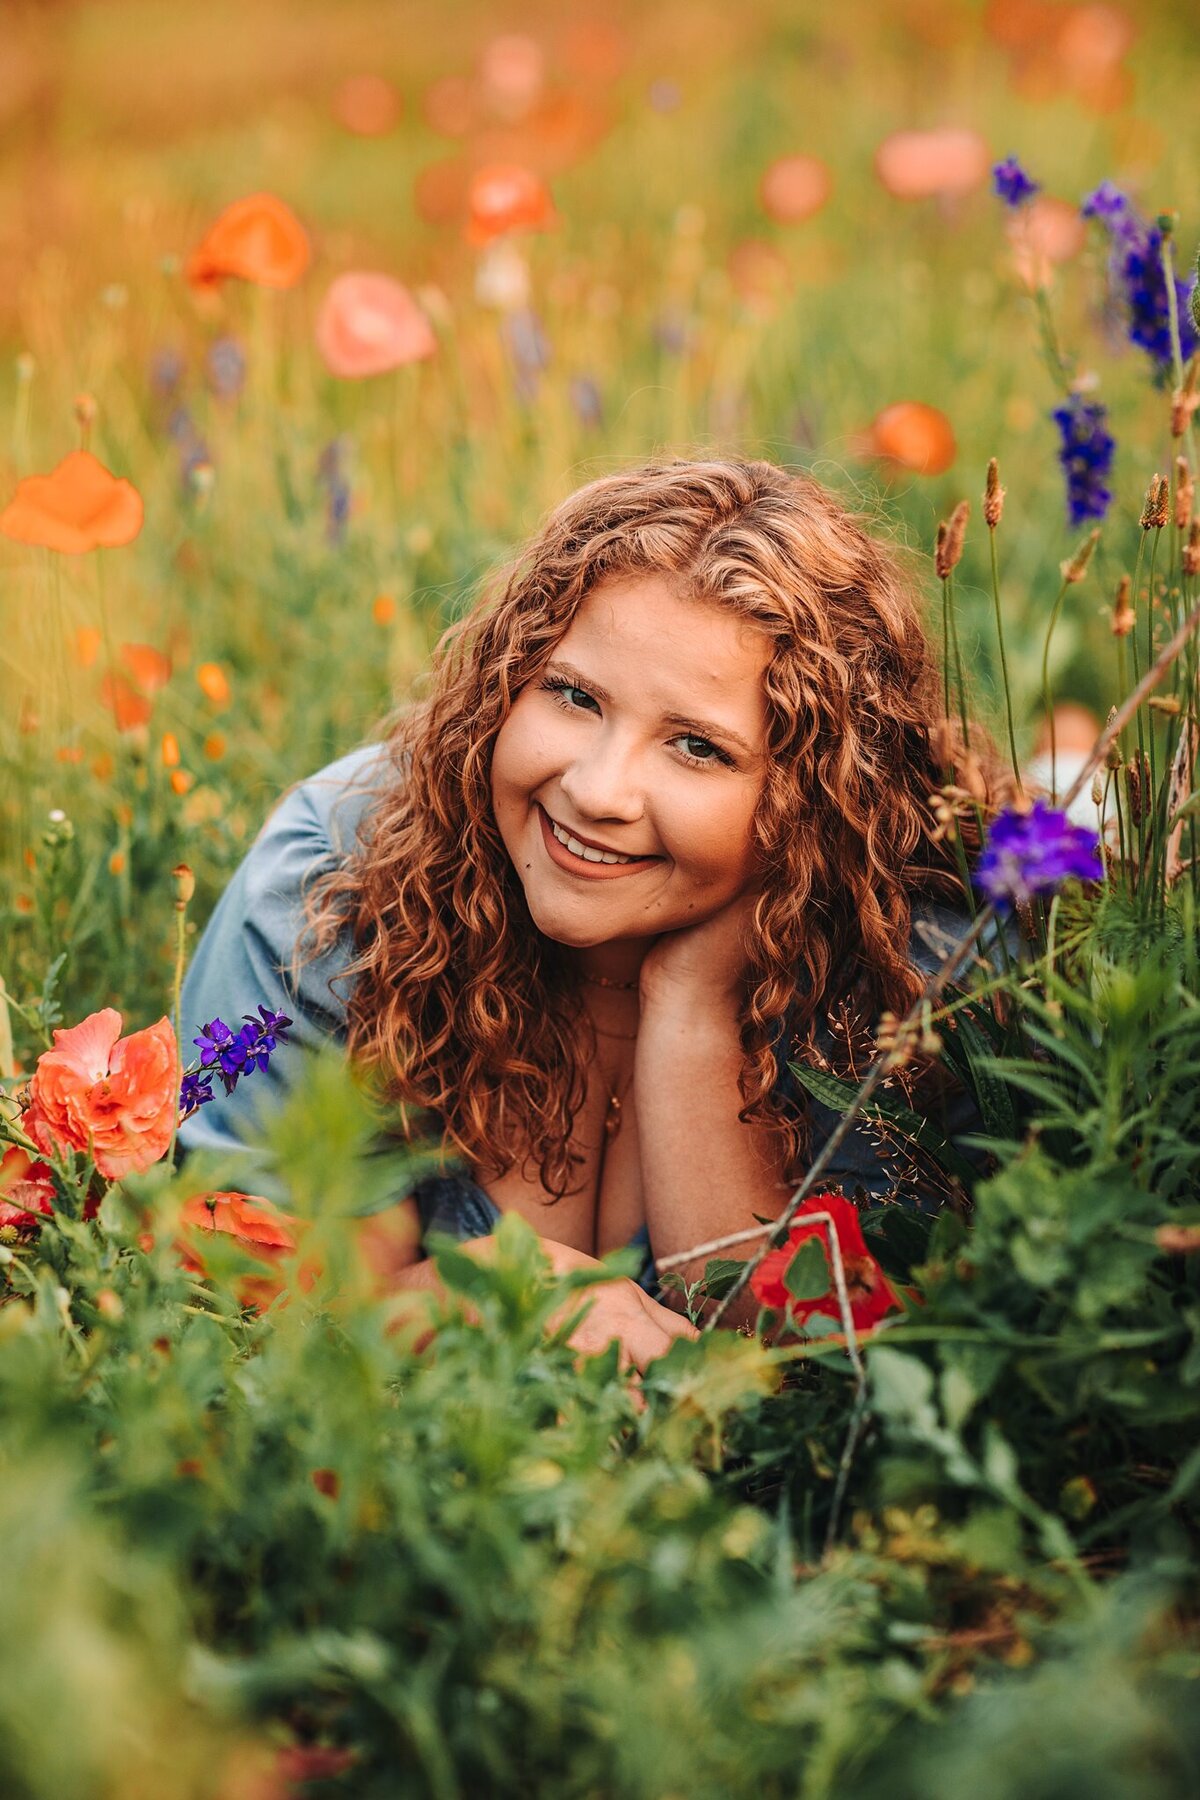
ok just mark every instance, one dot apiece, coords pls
pixel 245 958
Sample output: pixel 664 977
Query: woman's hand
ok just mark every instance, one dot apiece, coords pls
pixel 710 958
pixel 617 1308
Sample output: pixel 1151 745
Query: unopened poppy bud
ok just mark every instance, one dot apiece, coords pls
pixel 993 497
pixel 185 884
pixel 1154 512
pixel 1185 493
pixel 85 410
pixel 1075 567
pixel 1124 618
pixel 1191 550
pixel 950 535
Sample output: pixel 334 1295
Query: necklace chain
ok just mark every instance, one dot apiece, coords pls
pixel 603 981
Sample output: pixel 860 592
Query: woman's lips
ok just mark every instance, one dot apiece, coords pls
pixel 576 865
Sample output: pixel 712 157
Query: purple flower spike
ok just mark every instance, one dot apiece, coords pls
pixel 195 1092
pixel 1012 184
pixel 1137 278
pixel 1086 455
pixel 1031 853
pixel 214 1038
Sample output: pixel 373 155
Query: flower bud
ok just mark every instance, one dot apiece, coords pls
pixel 993 498
pixel 1154 512
pixel 950 535
pixel 85 411
pixel 1124 618
pixel 1075 567
pixel 185 884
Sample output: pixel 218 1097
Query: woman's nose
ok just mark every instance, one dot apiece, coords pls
pixel 604 784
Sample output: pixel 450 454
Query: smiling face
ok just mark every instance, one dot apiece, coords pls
pixel 644 737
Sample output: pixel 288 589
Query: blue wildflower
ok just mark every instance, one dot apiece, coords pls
pixel 1086 455
pixel 1012 184
pixel 233 1054
pixel 225 366
pixel 214 1037
pixel 167 369
pixel 1031 853
pixel 332 474
pixel 1137 277
pixel 528 347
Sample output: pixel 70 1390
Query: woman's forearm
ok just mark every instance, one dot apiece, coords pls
pixel 704 1172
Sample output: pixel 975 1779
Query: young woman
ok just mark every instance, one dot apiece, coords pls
pixel 660 824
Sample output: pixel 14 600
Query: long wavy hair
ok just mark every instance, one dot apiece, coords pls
pixel 466 1010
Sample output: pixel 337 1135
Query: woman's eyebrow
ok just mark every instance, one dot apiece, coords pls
pixel 701 726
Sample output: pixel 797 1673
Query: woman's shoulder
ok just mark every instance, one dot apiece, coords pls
pixel 330 806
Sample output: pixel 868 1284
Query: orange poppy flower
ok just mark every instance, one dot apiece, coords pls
pixel 79 506
pixel 367 105
pixel 505 197
pixel 914 436
pixel 213 683
pixel 148 666
pixel 917 165
pixel 264 1232
pixel 87 645
pixel 440 190
pixel 794 188
pixel 257 239
pixel 118 1096
pixel 449 106
pixel 130 709
pixel 369 324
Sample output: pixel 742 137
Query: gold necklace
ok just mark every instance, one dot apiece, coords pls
pixel 603 981
pixel 612 1116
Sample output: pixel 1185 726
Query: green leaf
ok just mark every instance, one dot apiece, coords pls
pixel 807 1276
pixel 720 1273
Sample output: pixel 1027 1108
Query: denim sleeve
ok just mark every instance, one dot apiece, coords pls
pixel 868 1158
pixel 245 954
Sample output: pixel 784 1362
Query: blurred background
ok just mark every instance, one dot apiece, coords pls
pixel 605 231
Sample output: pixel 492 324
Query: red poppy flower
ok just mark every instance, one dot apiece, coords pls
pixel 26 1190
pixel 150 669
pixel 130 709
pixel 368 324
pixel 79 506
pixel 868 1289
pixel 257 239
pixel 507 197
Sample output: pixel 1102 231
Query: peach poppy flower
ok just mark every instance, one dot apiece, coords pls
pixel 257 239
pixel 130 709
pixel 26 1190
pixel 512 71
pixel 916 165
pixel 794 188
pixel 1043 233
pixel 265 1232
pixel 914 436
pixel 506 197
pixel 120 1096
pixel 369 324
pixel 79 506
pixel 449 106
pixel 367 105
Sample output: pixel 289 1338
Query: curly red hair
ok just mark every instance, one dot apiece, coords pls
pixel 459 1001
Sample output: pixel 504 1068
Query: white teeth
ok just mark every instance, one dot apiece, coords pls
pixel 586 851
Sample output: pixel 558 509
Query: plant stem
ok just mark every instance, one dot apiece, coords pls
pixel 1047 696
pixel 1012 736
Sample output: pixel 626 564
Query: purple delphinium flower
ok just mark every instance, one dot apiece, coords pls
pixel 1137 276
pixel 225 367
pixel 1012 184
pixel 332 474
pixel 528 347
pixel 232 1054
pixel 586 401
pixel 195 1092
pixel 1031 853
pixel 1086 455
pixel 167 369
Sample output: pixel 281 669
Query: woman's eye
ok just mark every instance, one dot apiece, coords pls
pixel 697 750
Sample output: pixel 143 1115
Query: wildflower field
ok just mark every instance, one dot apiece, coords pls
pixel 311 312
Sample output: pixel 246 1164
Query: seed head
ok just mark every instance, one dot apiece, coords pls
pixel 1137 779
pixel 1075 567
pixel 1191 550
pixel 1185 493
pixel 1154 512
pixel 1097 790
pixel 950 535
pixel 1124 618
pixel 1184 401
pixel 993 496
pixel 1165 703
